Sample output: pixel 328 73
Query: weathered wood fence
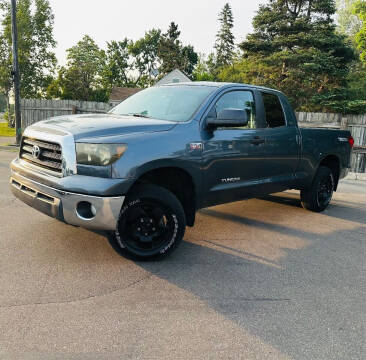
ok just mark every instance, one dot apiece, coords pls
pixel 356 124
pixel 34 110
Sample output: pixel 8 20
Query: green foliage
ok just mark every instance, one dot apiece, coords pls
pixel 172 53
pixel 339 101
pixel 144 53
pixel 81 78
pixel 9 116
pixel 202 71
pixel 6 81
pixel 224 44
pixel 5 130
pixel 35 42
pixel 115 71
pixel 360 11
pixel 294 48
pixel 348 23
pixel 2 103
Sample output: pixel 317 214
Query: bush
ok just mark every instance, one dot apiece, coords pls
pixel 10 119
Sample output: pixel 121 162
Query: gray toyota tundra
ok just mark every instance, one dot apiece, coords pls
pixel 140 172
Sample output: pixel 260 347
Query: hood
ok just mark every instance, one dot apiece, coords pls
pixel 100 125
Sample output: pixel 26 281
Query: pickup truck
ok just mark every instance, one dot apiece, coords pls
pixel 140 172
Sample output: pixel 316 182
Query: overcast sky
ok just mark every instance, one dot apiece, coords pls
pixel 106 20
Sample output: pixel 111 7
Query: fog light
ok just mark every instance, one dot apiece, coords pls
pixel 86 210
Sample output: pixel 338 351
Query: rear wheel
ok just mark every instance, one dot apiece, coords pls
pixel 319 195
pixel 151 224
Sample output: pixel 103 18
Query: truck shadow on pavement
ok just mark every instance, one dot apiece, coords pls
pixel 341 209
pixel 310 306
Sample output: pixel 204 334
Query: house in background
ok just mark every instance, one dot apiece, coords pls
pixel 175 76
pixel 120 94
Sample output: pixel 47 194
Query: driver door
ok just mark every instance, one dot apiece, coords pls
pixel 233 157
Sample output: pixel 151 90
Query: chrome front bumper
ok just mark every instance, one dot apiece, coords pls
pixel 65 206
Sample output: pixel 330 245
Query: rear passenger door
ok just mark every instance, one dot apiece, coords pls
pixel 282 143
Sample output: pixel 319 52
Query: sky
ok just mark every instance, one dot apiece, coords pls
pixel 106 20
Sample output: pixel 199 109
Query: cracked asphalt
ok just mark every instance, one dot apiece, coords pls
pixel 258 279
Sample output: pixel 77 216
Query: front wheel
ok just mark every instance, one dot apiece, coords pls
pixel 318 196
pixel 151 224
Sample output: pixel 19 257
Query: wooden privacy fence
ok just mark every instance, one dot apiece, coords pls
pixel 34 110
pixel 356 124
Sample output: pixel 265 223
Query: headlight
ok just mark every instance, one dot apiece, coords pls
pixel 99 154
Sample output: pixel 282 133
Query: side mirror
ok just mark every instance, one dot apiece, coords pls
pixel 229 118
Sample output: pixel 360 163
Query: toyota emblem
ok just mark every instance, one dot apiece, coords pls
pixel 36 152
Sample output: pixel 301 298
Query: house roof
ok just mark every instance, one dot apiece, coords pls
pixel 173 76
pixel 122 93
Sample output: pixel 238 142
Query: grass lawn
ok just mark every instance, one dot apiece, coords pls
pixel 5 130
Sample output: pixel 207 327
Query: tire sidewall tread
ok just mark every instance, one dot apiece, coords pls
pixel 309 197
pixel 170 201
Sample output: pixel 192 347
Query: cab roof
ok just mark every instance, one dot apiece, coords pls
pixel 220 85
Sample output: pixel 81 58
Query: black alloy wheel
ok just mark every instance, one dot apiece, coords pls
pixel 325 190
pixel 151 224
pixel 319 195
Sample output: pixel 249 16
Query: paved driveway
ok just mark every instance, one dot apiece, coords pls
pixel 259 279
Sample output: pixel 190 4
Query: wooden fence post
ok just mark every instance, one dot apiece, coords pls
pixel 344 123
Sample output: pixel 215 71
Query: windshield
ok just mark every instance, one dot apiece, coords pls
pixel 175 103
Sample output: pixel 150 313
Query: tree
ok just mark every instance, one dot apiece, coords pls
pixel 81 78
pixel 224 44
pixel 202 71
pixel 117 64
pixel 348 22
pixel 296 49
pixel 37 60
pixel 145 60
pixel 360 11
pixel 6 80
pixel 173 55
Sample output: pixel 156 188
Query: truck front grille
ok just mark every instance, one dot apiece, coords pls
pixel 41 153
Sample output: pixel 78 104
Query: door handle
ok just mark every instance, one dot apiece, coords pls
pixel 257 140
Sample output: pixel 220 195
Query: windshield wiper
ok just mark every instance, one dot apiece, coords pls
pixel 140 115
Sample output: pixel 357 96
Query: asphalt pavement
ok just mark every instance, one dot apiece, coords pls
pixel 257 279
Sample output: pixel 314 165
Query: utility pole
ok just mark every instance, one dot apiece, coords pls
pixel 16 77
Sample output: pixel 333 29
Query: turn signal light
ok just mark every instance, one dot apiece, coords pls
pixel 351 141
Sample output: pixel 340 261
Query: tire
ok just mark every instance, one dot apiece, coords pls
pixel 151 224
pixel 318 196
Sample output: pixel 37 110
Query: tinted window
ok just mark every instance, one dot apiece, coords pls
pixel 176 103
pixel 242 100
pixel 274 113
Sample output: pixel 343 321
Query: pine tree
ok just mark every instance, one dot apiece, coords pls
pixel 297 49
pixel 172 53
pixel 224 44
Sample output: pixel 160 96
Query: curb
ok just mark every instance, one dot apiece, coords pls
pixel 11 148
pixel 356 176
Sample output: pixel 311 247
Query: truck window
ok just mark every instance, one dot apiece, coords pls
pixel 274 112
pixel 242 100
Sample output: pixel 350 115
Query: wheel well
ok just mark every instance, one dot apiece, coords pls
pixel 177 181
pixel 333 163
